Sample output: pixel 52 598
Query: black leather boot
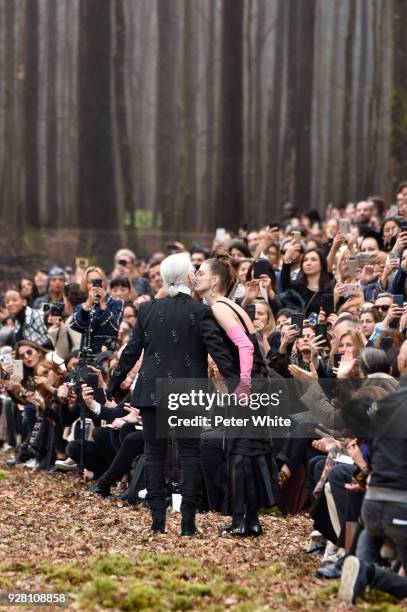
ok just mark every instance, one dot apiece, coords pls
pixel 236 528
pixel 188 527
pixel 158 524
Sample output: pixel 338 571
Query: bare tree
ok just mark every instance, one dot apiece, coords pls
pixel 96 189
pixel 229 199
pixel 31 114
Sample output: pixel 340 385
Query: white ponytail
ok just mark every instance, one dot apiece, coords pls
pixel 175 270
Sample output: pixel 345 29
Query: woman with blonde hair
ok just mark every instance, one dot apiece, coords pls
pixel 98 318
pixel 264 323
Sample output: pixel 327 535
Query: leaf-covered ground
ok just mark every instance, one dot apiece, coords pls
pixel 55 537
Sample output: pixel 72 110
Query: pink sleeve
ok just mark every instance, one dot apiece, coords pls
pixel 245 347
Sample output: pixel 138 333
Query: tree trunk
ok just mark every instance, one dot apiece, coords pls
pixel 31 114
pixel 229 200
pixel 347 122
pixel 51 113
pixel 96 185
pixel 167 147
pixel 125 152
pixel 399 105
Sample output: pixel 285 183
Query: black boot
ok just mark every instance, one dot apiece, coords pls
pixel 237 527
pixel 188 527
pixel 252 523
pixel 99 489
pixel 158 524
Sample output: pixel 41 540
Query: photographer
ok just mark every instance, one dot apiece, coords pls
pixel 98 318
pixel 55 293
pixel 58 318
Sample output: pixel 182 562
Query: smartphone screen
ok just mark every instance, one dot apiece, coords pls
pixel 337 359
pixel 321 329
pixel 261 266
pixel 220 234
pixel 97 282
pixel 398 299
pixel 298 320
pixel 92 380
pixel 251 311
pixel 328 303
pixel 344 226
pixel 353 265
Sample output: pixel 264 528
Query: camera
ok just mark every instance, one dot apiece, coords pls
pixel 57 309
pixel 97 282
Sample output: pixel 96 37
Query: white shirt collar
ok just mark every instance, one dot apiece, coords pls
pixel 183 288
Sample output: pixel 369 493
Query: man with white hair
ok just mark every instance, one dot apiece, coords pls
pixel 176 333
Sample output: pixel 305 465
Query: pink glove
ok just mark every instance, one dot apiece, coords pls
pixel 246 349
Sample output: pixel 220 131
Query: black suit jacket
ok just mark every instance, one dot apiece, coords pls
pixel 176 333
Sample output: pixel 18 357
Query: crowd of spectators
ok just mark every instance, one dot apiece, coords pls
pixel 328 301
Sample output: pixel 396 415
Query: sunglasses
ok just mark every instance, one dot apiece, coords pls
pixel 124 262
pixel 27 353
pixel 384 307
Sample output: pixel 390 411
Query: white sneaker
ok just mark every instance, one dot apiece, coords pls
pixel 31 464
pixel 66 464
pixel 6 447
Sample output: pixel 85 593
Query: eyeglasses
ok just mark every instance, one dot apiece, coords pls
pixel 27 353
pixel 384 307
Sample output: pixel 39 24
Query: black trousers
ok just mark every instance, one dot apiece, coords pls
pixel 384 520
pixel 97 455
pixel 132 445
pixel 155 452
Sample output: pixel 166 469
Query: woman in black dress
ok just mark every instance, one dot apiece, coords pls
pixel 250 465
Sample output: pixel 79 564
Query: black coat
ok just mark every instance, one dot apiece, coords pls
pixel 176 333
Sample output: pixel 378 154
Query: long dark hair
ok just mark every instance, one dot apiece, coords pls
pixel 325 283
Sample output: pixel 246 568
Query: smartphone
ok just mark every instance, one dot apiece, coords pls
pixel 394 256
pixel 353 265
pixel 337 359
pixel 327 302
pixel 394 210
pixel 298 320
pixel 351 289
pixel 92 380
pixel 251 311
pixel 30 383
pixel 261 266
pixel 398 299
pixel 7 358
pixel 97 282
pixel 341 458
pixel 18 368
pixel 273 225
pixel 296 236
pixel 82 262
pixel 321 329
pixel 387 343
pixel 344 226
pixel 403 226
pixel 220 234
pixel 366 258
